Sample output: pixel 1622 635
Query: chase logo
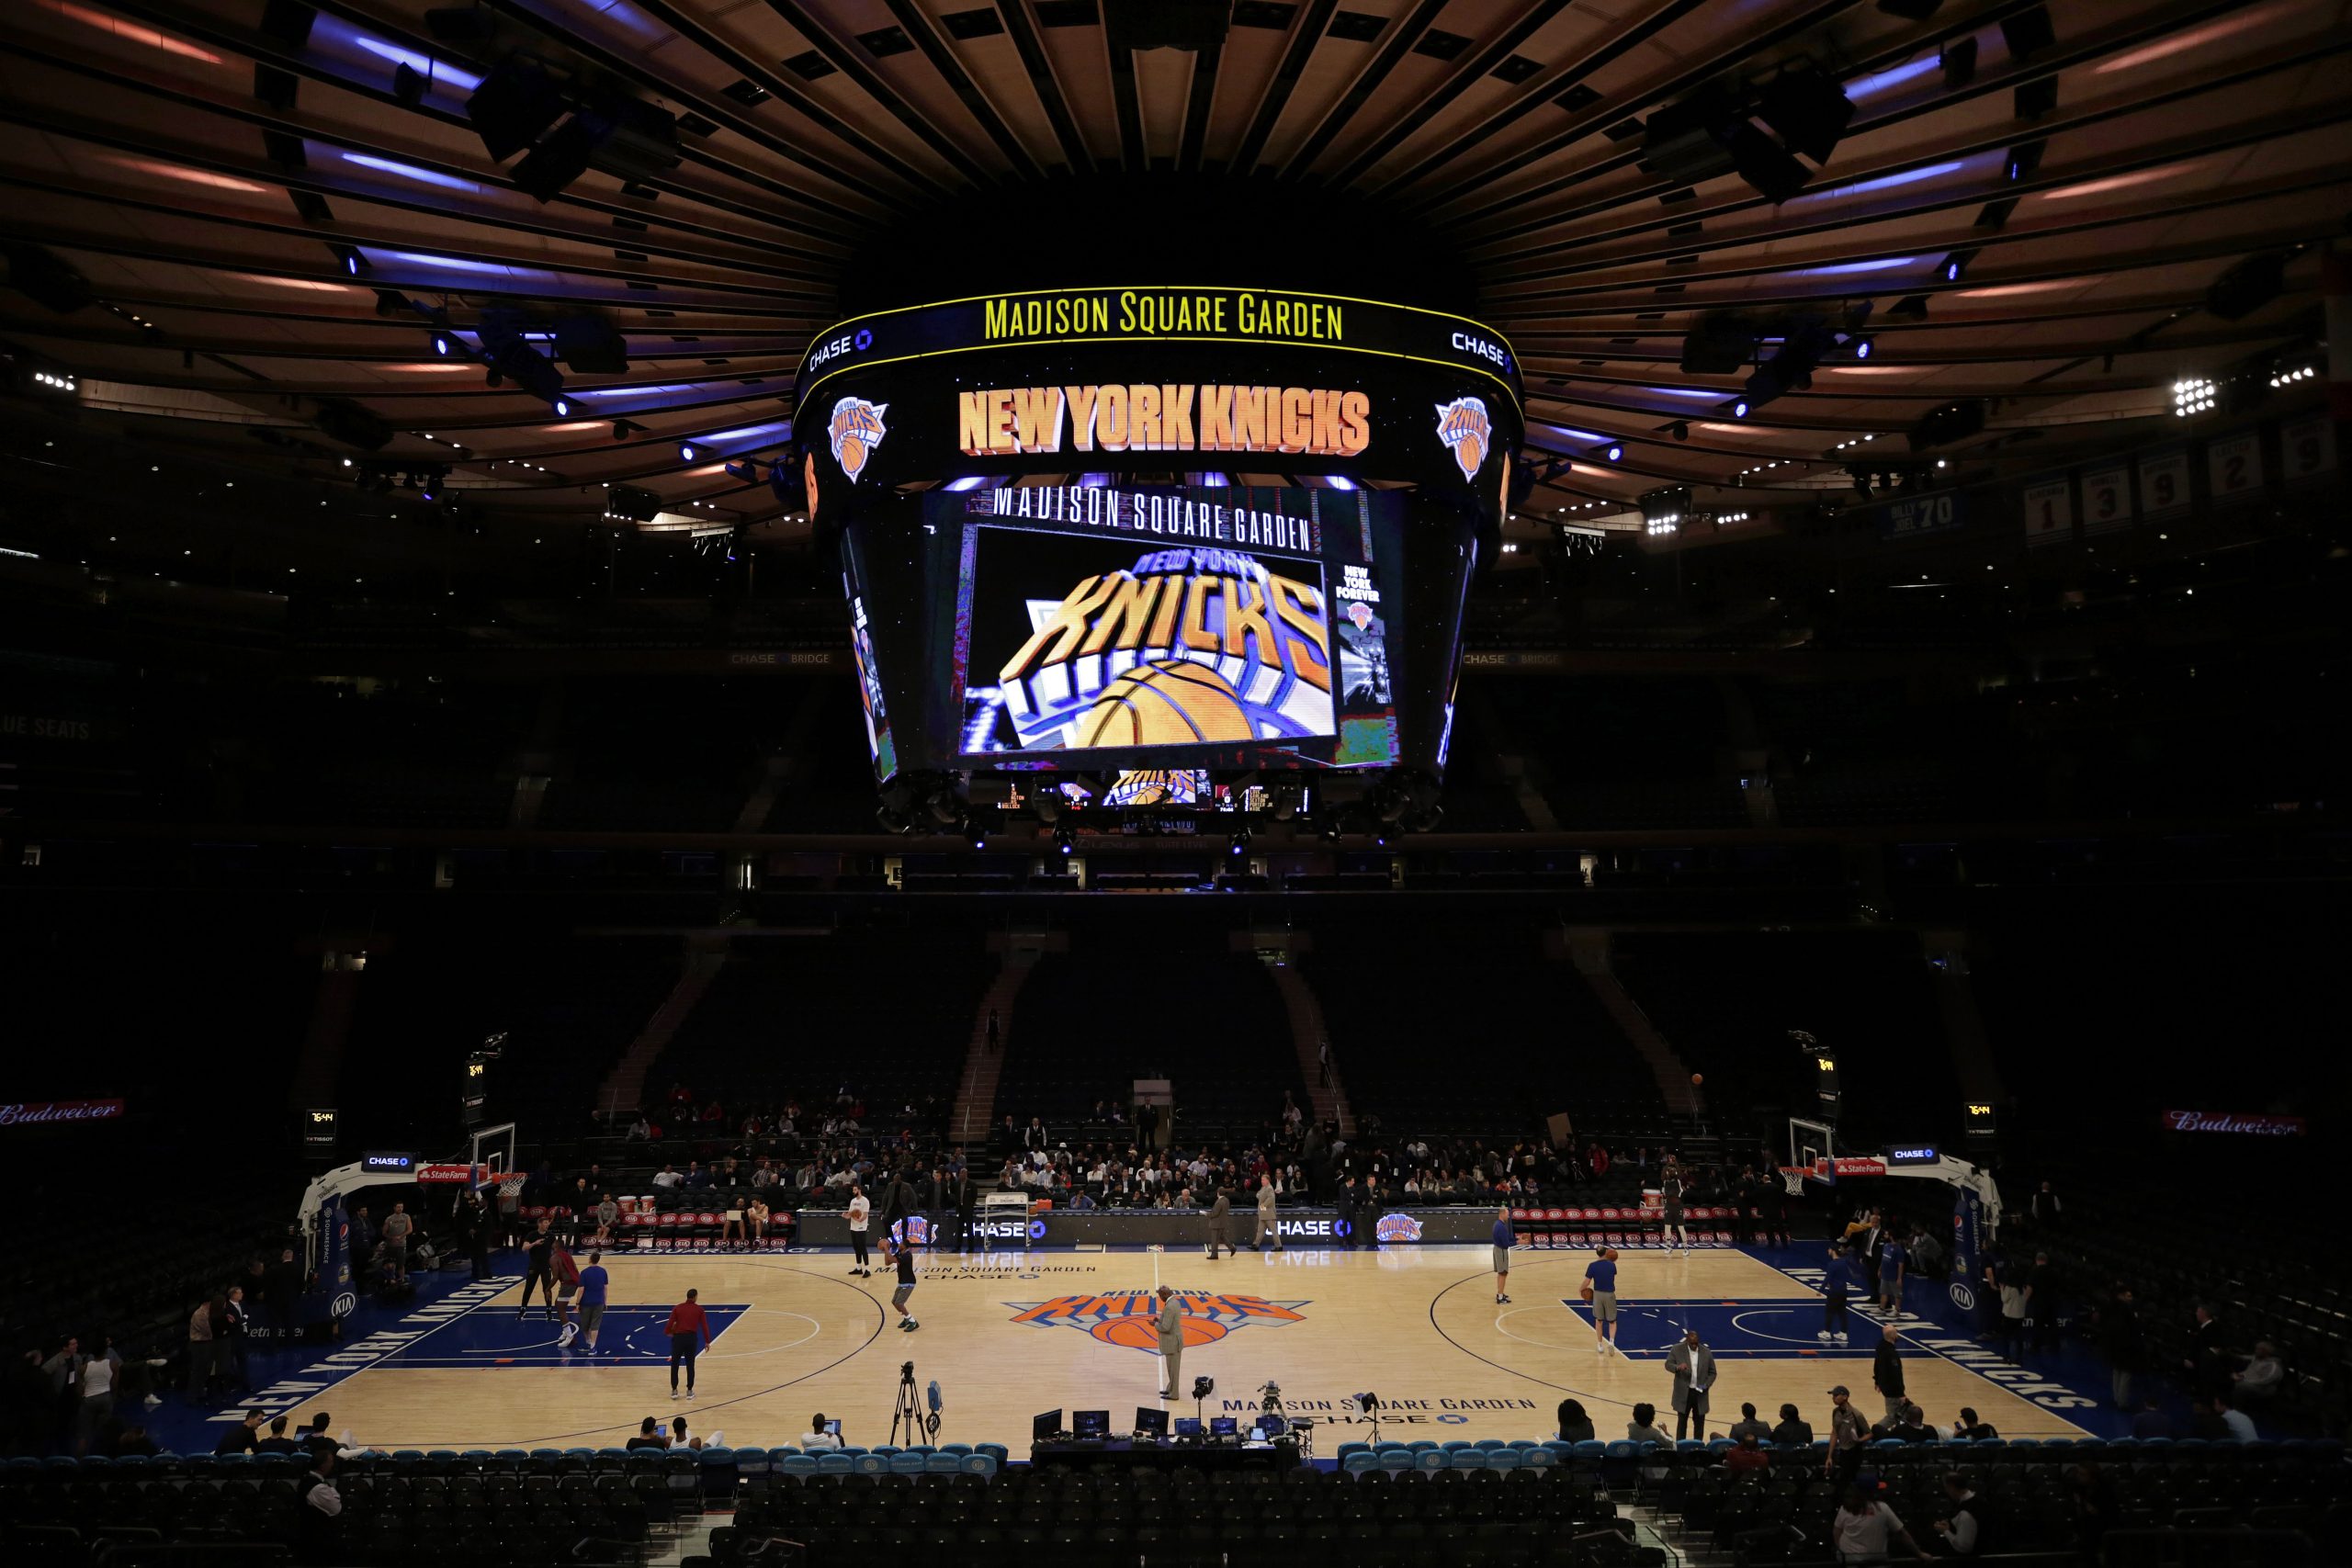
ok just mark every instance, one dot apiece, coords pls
pixel 856 429
pixel 1492 352
pixel 1464 427
pixel 1131 1319
pixel 848 344
pixel 1397 1227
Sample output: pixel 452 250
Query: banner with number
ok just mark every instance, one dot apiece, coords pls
pixel 2233 467
pixel 2307 449
pixel 2049 512
pixel 1909 517
pixel 2107 499
pixel 2164 484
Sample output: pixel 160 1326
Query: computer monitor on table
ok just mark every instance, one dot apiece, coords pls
pixel 1046 1427
pixel 1223 1426
pixel 1151 1420
pixel 1187 1426
pixel 1090 1425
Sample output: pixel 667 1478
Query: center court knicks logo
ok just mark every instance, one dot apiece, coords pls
pixel 856 429
pixel 1462 425
pixel 1130 1319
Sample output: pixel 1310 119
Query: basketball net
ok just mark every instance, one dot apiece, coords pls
pixel 1792 1178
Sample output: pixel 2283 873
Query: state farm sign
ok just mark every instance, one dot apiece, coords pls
pixel 2224 1121
pixel 36 1112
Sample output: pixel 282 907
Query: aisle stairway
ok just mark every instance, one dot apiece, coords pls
pixel 1589 949
pixel 975 1090
pixel 624 1086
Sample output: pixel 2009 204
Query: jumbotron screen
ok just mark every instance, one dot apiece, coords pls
pixel 1252 624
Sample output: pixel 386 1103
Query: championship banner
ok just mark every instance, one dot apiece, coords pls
pixel 1967 1249
pixel 2307 449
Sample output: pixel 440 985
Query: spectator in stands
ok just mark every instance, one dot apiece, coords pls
pixel 1576 1426
pixel 2092 1497
pixel 95 1394
pixel 2119 1337
pixel 201 1348
pixel 667 1178
pixel 131 1442
pixel 2152 1422
pixel 649 1436
pixel 1927 1253
pixel 678 1439
pixel 1960 1530
pixel 639 1129
pixel 236 1325
pixel 1746 1456
pixel 2046 1208
pixel 697 1179
pixel 1908 1425
pixel 1794 1431
pixel 1886 1371
pixel 1969 1429
pixel 1748 1423
pixel 2207 1362
pixel 244 1437
pixel 320 1534
pixel 1848 1431
pixel 1033 1137
pixel 1865 1529
pixel 2041 1303
pixel 2234 1423
pixel 818 1435
pixel 1643 1427
pixel 2264 1378
pixel 278 1442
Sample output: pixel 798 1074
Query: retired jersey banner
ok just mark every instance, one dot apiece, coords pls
pixel 2233 467
pixel 2307 449
pixel 2164 484
pixel 2049 512
pixel 2107 499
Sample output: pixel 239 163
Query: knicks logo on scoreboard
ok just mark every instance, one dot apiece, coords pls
pixel 1397 1227
pixel 856 429
pixel 1464 427
pixel 1130 1319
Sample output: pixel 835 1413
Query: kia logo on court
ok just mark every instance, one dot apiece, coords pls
pixel 345 1304
pixel 1963 1297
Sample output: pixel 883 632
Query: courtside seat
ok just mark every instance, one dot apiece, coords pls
pixel 1348 1451
pixel 885 1449
pixel 1421 1446
pixel 983 1465
pixel 996 1451
pixel 944 1463
pixel 1361 1462
pixel 800 1466
pixel 1396 1462
pixel 871 1465
pixel 1503 1458
pixel 1428 1461
pixel 1465 1459
pixel 955 1448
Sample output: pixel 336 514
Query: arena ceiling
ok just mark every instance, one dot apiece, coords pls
pixel 211 168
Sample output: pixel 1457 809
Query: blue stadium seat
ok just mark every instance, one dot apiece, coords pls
pixel 943 1464
pixel 1467 1459
pixel 1429 1460
pixel 1396 1462
pixel 834 1463
pixel 800 1465
pixel 1349 1451
pixel 905 1464
pixel 871 1465
pixel 1542 1456
pixel 982 1464
pixel 1361 1462
pixel 994 1451
pixel 1503 1458
pixel 955 1448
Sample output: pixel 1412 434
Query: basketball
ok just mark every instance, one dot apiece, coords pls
pixel 1170 702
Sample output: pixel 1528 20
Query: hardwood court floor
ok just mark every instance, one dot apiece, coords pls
pixel 1011 1334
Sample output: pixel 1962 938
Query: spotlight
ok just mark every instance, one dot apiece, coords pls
pixel 686 452
pixel 1739 408
pixel 1611 452
pixel 1861 348
pixel 54 382
pixel 446 344
pixel 1956 265
pixel 1065 840
pixel 353 263
pixel 2024 158
pixel 977 835
pixel 2192 396
pixel 562 407
pixel 1239 844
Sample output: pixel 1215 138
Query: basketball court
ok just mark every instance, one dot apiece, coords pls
pixel 1009 1334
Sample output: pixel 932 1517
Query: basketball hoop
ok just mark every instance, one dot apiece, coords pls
pixel 1792 1178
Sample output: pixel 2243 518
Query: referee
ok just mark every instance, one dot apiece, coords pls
pixel 1504 1241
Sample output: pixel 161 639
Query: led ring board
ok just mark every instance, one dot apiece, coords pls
pixel 1158 528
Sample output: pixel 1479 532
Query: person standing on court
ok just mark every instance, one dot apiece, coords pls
pixel 1672 1230
pixel 1221 1224
pixel 1601 1293
pixel 861 1209
pixel 1893 1261
pixel 1887 1372
pixel 959 1188
pixel 689 1332
pixel 1693 1367
pixel 1505 1239
pixel 1344 1222
pixel 901 1253
pixel 1269 1224
pixel 539 1270
pixel 1171 1343
pixel 593 1284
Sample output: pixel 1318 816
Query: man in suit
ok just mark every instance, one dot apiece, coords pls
pixel 959 1192
pixel 1171 1344
pixel 1268 1224
pixel 1220 1224
pixel 1344 1222
pixel 1692 1365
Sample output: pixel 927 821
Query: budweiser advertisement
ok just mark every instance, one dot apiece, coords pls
pixel 41 1112
pixel 2259 1124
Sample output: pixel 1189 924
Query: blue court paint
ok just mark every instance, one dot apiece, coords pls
pixel 495 1338
pixel 1748 1329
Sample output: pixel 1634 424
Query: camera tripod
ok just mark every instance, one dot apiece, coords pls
pixel 907 1412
